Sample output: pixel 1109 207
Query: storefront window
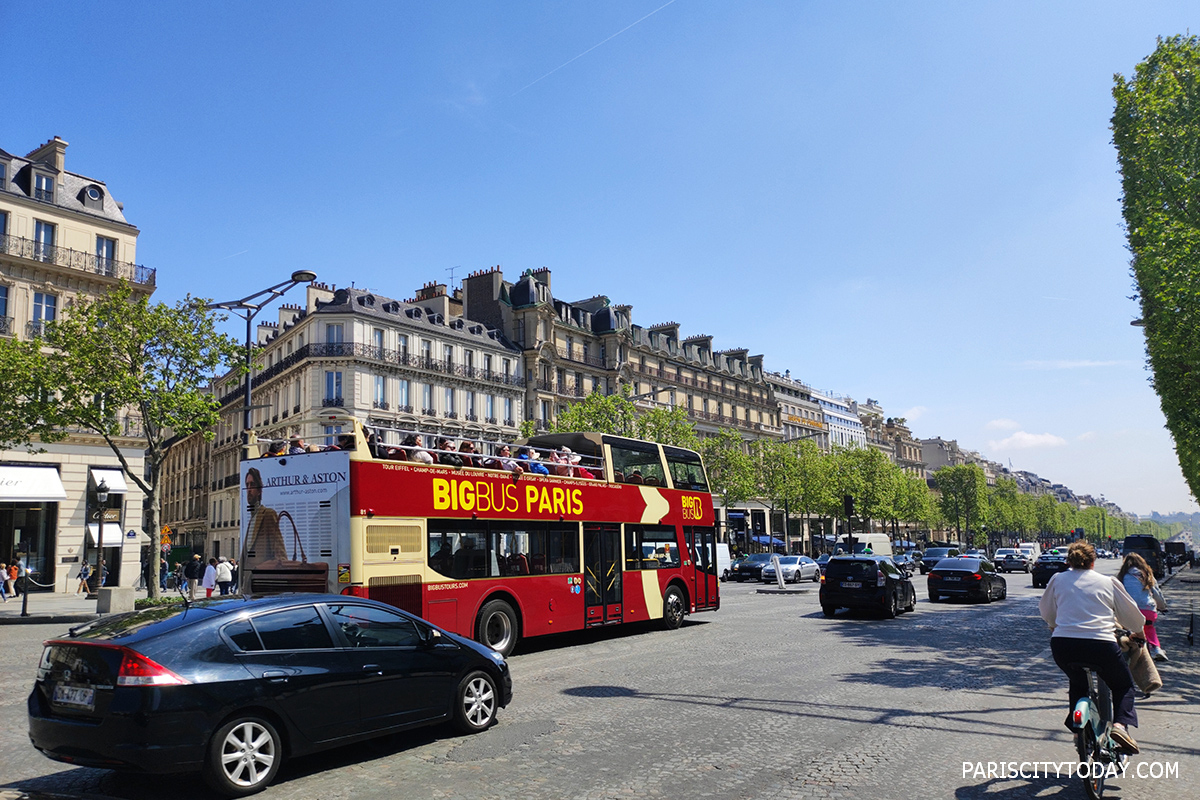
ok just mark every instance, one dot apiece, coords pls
pixel 29 528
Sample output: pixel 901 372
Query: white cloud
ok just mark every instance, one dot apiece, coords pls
pixel 1028 441
pixel 1078 364
pixel 914 413
pixel 1003 425
pixel 1086 436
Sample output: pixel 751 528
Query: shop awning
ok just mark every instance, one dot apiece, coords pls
pixel 30 484
pixel 112 534
pixel 114 479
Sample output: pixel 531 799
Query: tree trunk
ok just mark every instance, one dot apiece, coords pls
pixel 150 523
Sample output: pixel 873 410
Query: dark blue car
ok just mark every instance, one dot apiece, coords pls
pixel 234 687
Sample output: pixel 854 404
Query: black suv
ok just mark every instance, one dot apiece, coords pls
pixel 749 569
pixel 936 554
pixel 1046 567
pixel 1148 548
pixel 863 581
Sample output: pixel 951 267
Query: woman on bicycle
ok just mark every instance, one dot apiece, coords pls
pixel 1083 609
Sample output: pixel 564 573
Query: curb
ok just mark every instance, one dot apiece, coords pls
pixel 48 619
pixel 777 590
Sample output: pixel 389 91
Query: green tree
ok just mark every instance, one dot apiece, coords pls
pixel 616 414
pixel 963 496
pixel 1156 129
pixel 815 490
pixel 113 354
pixel 776 471
pixel 730 468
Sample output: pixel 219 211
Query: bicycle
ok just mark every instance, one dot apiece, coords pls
pixel 1091 721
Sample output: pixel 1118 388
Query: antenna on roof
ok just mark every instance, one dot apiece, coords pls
pixel 451 271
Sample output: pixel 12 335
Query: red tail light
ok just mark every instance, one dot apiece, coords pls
pixel 1078 717
pixel 933 574
pixel 977 576
pixel 358 590
pixel 880 578
pixel 137 670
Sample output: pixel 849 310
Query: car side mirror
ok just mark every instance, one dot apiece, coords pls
pixel 433 638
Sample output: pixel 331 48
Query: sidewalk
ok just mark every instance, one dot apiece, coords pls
pixel 52 608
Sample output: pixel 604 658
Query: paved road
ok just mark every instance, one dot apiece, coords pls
pixel 764 699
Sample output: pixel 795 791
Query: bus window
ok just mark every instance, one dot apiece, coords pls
pixel 638 466
pixel 458 548
pixel 651 547
pixel 686 470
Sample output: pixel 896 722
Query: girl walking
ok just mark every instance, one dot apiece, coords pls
pixel 1138 579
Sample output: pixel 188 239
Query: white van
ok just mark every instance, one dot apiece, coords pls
pixel 723 560
pixel 1031 550
pixel 881 543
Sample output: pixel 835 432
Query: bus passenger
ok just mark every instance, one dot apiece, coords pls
pixel 505 461
pixel 412 446
pixel 529 458
pixel 448 454
pixel 467 454
pixel 278 448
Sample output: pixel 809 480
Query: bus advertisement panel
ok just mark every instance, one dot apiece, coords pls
pixel 295 525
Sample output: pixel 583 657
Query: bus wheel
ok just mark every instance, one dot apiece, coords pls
pixel 498 627
pixel 672 608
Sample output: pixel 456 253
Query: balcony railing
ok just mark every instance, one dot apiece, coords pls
pixel 6 326
pixel 35 328
pixel 372 353
pixel 380 404
pixel 45 195
pixel 581 358
pixel 76 259
pixel 333 402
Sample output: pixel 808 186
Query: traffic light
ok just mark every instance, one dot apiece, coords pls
pixel 848 506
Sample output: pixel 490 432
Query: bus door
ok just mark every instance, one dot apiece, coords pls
pixel 702 546
pixel 602 574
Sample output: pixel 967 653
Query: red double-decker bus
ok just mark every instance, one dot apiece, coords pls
pixel 490 553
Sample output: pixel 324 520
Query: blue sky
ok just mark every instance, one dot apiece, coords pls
pixel 913 202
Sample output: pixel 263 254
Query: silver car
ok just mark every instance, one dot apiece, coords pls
pixel 794 569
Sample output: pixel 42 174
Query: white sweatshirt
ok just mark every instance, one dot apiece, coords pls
pixel 1081 604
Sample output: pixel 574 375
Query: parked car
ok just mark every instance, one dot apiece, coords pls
pixel 935 554
pixel 867 582
pixel 749 569
pixel 1010 559
pixel 906 562
pixel 728 572
pixel 973 578
pixel 232 688
pixel 793 568
pixel 1046 567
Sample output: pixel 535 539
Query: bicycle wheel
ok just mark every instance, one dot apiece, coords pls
pixel 1090 759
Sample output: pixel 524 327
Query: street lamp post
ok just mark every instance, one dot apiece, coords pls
pixel 247 308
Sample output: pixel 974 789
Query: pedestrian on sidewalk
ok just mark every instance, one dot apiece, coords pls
pixel 210 577
pixel 224 575
pixel 1138 579
pixel 162 574
pixel 102 568
pixel 193 572
pixel 4 583
pixel 11 579
pixel 85 572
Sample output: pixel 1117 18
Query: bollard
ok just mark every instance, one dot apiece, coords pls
pixel 778 571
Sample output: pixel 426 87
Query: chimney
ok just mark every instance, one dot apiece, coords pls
pixel 53 152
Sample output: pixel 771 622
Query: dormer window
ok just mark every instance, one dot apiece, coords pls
pixel 43 188
pixel 92 197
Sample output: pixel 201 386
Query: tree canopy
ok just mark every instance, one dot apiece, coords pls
pixel 1156 130
pixel 118 367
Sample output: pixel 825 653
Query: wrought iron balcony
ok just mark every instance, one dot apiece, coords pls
pixel 35 328
pixel 6 326
pixel 333 402
pixel 380 404
pixel 76 260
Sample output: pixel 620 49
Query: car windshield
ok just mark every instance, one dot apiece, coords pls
pixel 760 557
pixel 852 569
pixel 957 564
pixel 789 560
pixel 937 552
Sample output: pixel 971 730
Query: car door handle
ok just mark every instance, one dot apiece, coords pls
pixel 378 670
pixel 276 675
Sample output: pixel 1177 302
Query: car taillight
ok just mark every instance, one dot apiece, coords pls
pixel 822 577
pixel 137 670
pixel 977 576
pixel 358 590
pixel 880 578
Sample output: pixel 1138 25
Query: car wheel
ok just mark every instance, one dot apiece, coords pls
pixel 912 602
pixel 817 576
pixel 1004 592
pixel 673 608
pixel 475 703
pixel 828 611
pixel 497 627
pixel 243 756
pixel 893 608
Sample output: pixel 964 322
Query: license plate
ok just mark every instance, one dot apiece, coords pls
pixel 83 697
pixel 948 578
pixel 851 584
